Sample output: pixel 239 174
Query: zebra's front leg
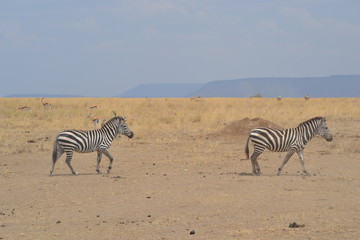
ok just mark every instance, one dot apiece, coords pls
pixel 301 156
pixel 107 153
pixel 287 157
pixel 99 156
pixel 68 162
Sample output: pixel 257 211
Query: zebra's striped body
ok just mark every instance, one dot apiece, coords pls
pixel 89 141
pixel 292 140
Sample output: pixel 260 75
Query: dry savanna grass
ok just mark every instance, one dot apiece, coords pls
pixel 157 119
pixel 183 175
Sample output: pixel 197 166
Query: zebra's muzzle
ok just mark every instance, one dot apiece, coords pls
pixel 131 135
pixel 329 138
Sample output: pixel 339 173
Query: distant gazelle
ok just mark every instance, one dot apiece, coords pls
pixel 25 107
pixel 279 98
pixel 94 107
pixel 292 140
pixel 196 98
pixel 96 121
pixel 45 104
pixel 307 97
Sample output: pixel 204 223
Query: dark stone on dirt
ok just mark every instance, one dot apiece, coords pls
pixel 117 177
pixel 295 225
pixel 192 232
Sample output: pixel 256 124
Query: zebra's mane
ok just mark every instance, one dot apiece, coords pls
pixel 111 121
pixel 315 119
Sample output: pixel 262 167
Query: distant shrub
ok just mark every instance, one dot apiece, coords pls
pixel 258 95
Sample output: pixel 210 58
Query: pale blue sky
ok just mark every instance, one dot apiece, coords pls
pixel 103 48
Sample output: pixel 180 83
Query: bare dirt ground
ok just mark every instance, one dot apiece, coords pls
pixel 185 187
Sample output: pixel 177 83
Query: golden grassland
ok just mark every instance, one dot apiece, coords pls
pixel 153 118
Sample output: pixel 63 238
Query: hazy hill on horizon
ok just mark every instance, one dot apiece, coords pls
pixel 39 95
pixel 321 87
pixel 336 86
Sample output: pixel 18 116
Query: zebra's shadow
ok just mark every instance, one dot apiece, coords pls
pixel 70 174
pixel 250 174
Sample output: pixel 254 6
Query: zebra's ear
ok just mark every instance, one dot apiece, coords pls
pixel 124 118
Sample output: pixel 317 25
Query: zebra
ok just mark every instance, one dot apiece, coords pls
pixel 89 141
pixel 292 140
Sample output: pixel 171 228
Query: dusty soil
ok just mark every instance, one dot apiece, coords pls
pixel 185 187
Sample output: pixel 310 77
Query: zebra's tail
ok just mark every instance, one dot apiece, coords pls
pixel 55 151
pixel 55 155
pixel 247 148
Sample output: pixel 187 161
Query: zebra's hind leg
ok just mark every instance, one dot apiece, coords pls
pixel 69 155
pixel 255 164
pixel 107 153
pixel 301 156
pixel 99 155
pixel 287 157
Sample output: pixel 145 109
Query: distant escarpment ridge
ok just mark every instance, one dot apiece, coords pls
pixel 38 95
pixel 336 86
pixel 320 87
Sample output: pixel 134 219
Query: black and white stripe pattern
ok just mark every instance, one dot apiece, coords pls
pixel 292 140
pixel 89 141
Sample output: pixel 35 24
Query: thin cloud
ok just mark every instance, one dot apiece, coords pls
pixel 110 44
pixel 146 8
pixel 83 24
pixel 16 36
pixel 301 17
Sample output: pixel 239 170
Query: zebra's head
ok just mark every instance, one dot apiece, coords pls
pixel 324 131
pixel 123 128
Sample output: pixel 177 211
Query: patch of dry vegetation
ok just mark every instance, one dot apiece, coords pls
pixel 157 119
